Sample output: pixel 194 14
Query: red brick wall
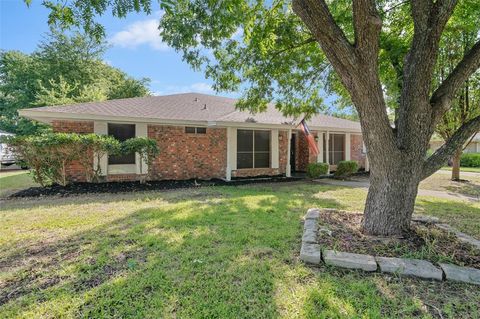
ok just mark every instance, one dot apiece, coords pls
pixel 304 155
pixel 122 177
pixel 356 148
pixel 185 156
pixel 283 151
pixel 75 171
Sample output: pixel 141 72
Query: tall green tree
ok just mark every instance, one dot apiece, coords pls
pixel 383 54
pixel 64 69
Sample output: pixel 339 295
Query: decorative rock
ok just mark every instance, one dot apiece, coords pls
pixel 349 260
pixel 409 267
pixel 463 274
pixel 309 236
pixel 464 238
pixel 312 213
pixel 425 219
pixel 310 224
pixel 445 227
pixel 468 239
pixel 310 253
pixel 325 230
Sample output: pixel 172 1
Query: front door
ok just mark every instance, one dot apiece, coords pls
pixel 293 151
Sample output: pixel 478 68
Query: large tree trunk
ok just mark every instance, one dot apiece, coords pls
pixel 456 165
pixel 397 154
pixel 391 197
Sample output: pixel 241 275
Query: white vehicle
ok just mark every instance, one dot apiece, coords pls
pixel 7 157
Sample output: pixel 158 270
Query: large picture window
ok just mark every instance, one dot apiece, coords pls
pixel 336 148
pixel 253 149
pixel 121 132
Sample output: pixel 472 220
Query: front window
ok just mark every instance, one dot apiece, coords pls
pixel 336 148
pixel 121 132
pixel 253 149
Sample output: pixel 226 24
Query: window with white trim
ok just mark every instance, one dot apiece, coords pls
pixel 195 130
pixel 253 149
pixel 121 132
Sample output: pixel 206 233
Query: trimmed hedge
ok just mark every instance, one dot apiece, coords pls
pixel 470 160
pixel 346 169
pixel 315 170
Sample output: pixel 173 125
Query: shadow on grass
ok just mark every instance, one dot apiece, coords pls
pixel 210 257
pixel 225 253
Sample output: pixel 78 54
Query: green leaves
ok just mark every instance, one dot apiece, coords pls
pixel 63 70
pixel 48 154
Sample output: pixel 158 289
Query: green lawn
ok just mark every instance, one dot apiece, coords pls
pixel 219 252
pixel 463 169
pixel 11 181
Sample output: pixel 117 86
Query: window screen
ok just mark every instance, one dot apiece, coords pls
pixel 253 149
pixel 121 132
pixel 336 148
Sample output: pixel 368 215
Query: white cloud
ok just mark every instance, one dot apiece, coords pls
pixel 144 32
pixel 199 87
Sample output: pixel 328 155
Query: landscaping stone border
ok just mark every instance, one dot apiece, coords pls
pixel 312 252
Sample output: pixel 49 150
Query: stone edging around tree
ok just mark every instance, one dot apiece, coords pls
pixel 312 253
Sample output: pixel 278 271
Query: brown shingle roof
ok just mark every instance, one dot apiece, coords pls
pixel 188 107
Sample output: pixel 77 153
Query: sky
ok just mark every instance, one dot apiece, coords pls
pixel 136 46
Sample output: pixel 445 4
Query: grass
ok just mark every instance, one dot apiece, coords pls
pixel 470 186
pixel 463 169
pixel 219 252
pixel 11 181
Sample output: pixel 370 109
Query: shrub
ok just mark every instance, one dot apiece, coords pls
pixel 147 148
pixel 98 146
pixel 470 160
pixel 49 154
pixel 315 170
pixel 346 169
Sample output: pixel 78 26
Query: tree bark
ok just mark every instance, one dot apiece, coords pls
pixel 397 154
pixel 456 165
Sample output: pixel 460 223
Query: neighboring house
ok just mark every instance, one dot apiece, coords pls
pixel 472 147
pixel 204 136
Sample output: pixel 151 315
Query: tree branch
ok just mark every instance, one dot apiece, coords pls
pixel 316 15
pixel 293 47
pixel 367 25
pixel 446 151
pixel 443 95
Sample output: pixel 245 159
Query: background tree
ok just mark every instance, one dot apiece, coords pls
pixel 460 35
pixel 64 69
pixel 286 50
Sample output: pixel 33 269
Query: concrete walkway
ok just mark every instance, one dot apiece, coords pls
pixel 421 192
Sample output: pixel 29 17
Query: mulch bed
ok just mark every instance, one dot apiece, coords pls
pixel 423 241
pixel 125 187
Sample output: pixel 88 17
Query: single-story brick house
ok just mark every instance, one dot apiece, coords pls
pixel 204 136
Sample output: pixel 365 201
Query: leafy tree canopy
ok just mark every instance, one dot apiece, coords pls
pixel 263 48
pixel 64 69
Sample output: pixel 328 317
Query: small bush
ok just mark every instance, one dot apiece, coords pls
pixel 470 160
pixel 346 169
pixel 315 170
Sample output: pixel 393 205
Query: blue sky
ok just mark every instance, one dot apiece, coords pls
pixel 136 47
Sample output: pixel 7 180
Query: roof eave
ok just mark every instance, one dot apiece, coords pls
pixel 48 117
